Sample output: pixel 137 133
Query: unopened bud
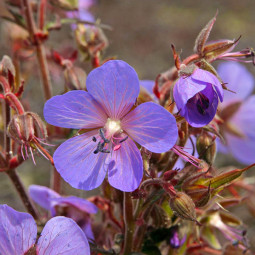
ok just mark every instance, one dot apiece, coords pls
pixel 21 128
pixel 91 40
pixel 160 217
pixel 26 126
pixel 169 175
pixel 206 148
pixel 200 194
pixel 183 206
pixel 75 78
pixel 7 69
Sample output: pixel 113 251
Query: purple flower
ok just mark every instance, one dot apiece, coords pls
pixel 83 13
pixel 175 241
pixel 106 110
pixel 196 97
pixel 76 208
pixel 237 112
pixel 60 235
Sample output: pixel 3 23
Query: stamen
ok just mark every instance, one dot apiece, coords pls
pixel 124 139
pixel 105 151
pixel 101 133
pixel 94 139
pixel 116 147
pixel 202 103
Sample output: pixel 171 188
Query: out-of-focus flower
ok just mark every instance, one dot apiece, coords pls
pixel 236 111
pixel 83 13
pixel 196 97
pixel 60 235
pixel 74 207
pixel 224 222
pixel 112 91
pixel 175 240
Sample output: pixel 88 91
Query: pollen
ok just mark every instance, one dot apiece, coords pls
pixel 113 127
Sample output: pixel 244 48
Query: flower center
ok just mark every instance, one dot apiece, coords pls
pixel 202 103
pixel 111 137
pixel 112 127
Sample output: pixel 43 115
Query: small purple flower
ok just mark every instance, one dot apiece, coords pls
pixel 237 112
pixel 196 97
pixel 106 110
pixel 175 241
pixel 83 13
pixel 76 208
pixel 60 235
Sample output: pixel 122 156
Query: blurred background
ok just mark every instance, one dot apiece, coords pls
pixel 142 32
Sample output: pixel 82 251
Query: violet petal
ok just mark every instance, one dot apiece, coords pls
pixel 243 147
pixel 77 163
pixel 42 195
pixel 205 76
pixel 18 231
pixel 238 79
pixel 194 117
pixel 75 109
pixel 125 167
pixel 77 202
pixel 62 235
pixel 152 126
pixel 115 86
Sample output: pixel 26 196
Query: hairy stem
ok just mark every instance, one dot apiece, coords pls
pixel 22 192
pixel 41 57
pixel 129 223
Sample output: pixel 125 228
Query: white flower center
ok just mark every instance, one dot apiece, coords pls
pixel 112 127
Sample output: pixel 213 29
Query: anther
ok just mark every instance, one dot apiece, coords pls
pixel 105 151
pixel 101 133
pixel 124 139
pixel 94 139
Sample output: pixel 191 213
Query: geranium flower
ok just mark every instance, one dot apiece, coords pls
pixel 60 235
pixel 106 110
pixel 196 97
pixel 75 207
pixel 237 112
pixel 83 13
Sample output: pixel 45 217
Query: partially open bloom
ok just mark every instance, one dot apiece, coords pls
pixel 60 235
pixel 238 111
pixel 74 207
pixel 108 146
pixel 197 96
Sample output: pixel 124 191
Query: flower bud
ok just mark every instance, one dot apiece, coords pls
pixel 28 130
pixel 75 78
pixel 91 40
pixel 21 128
pixel 160 217
pixel 183 206
pixel 6 67
pixel 200 194
pixel 206 148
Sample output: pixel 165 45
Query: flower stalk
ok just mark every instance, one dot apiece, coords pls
pixel 22 193
pixel 129 223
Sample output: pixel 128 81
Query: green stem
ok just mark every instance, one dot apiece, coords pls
pixel 129 223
